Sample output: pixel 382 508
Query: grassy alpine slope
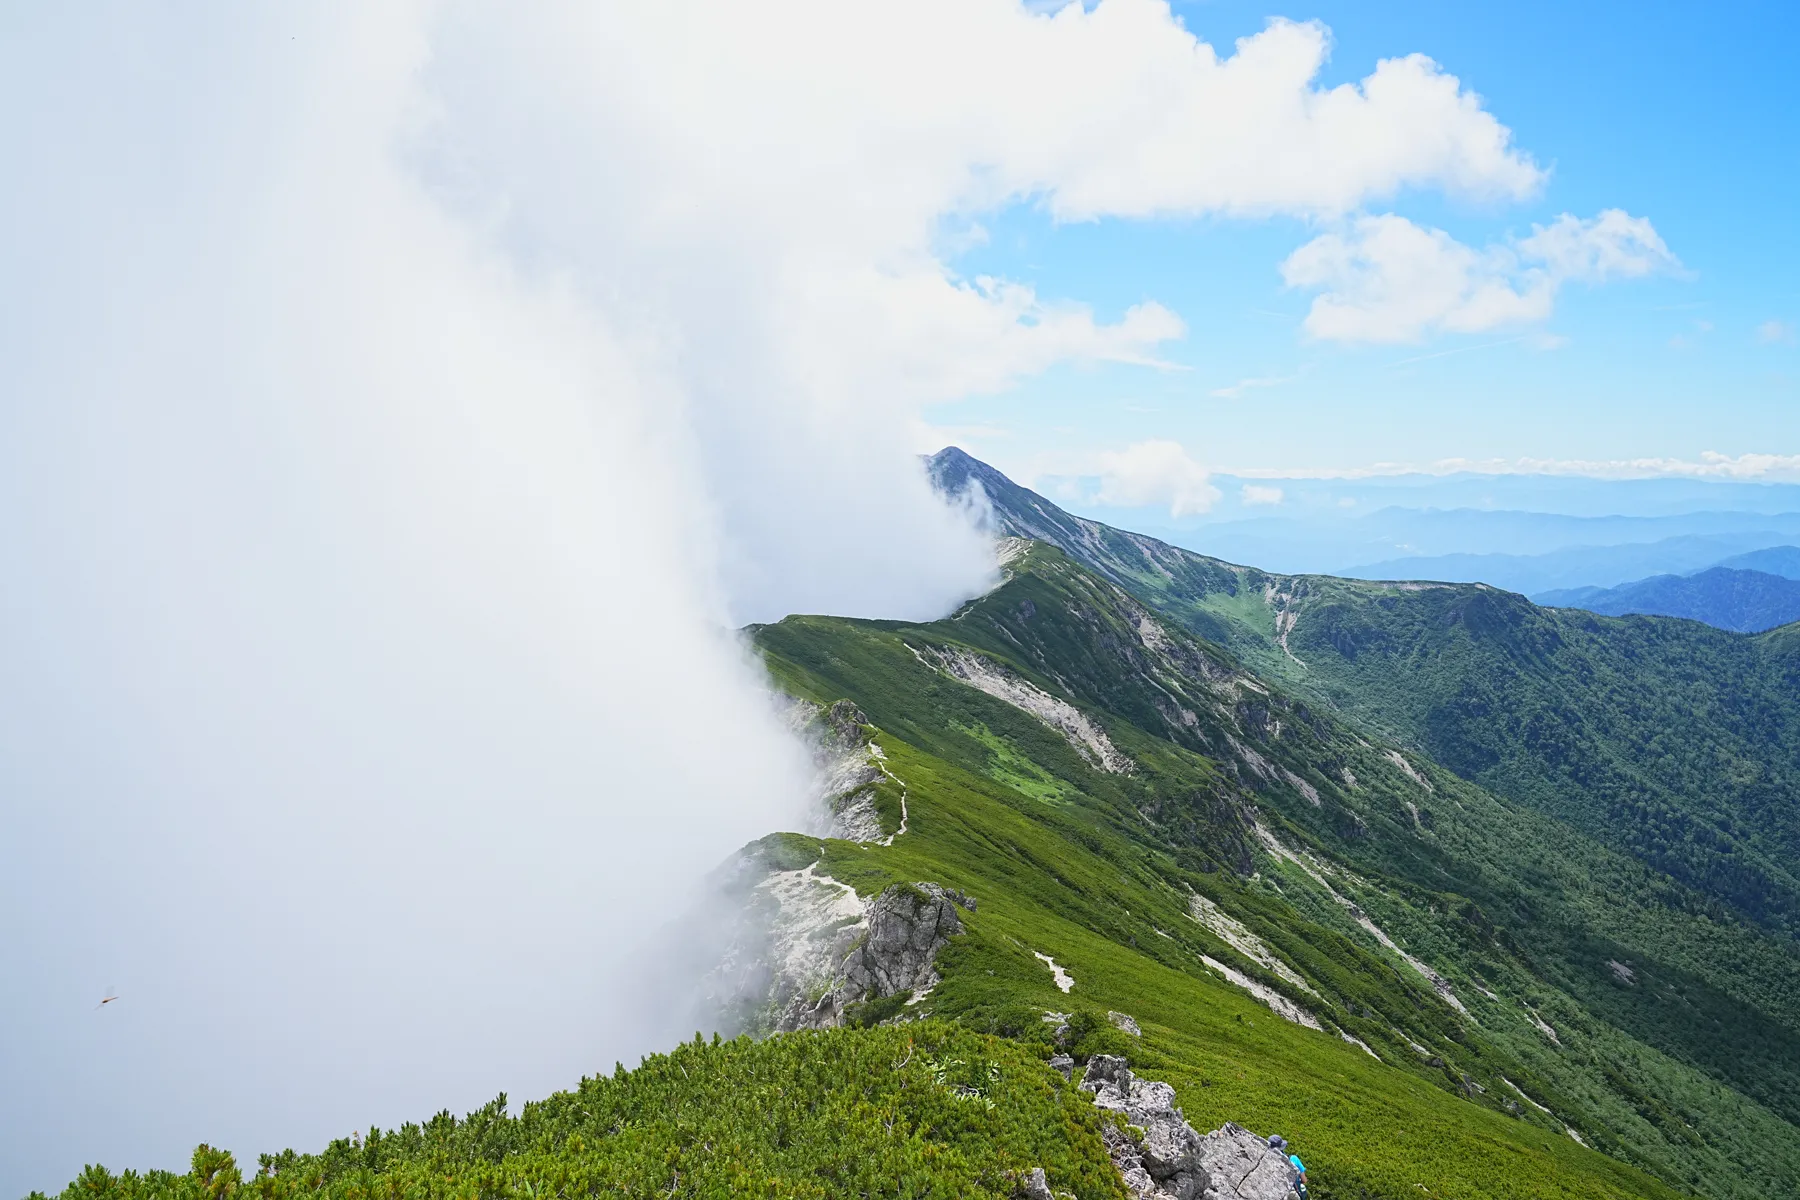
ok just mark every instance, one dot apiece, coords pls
pixel 1474 985
pixel 1674 742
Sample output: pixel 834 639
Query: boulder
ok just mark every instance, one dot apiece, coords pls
pixel 1242 1166
pixel 1125 1023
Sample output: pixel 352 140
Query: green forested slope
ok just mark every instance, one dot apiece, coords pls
pixel 1520 914
pixel 929 1111
pixel 1674 742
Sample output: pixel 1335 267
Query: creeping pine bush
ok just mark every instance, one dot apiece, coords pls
pixel 927 1110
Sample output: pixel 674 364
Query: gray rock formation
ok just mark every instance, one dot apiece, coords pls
pixel 1124 1024
pixel 1171 1161
pixel 1035 1187
pixel 901 932
pixel 1165 1162
pixel 908 925
pixel 1242 1166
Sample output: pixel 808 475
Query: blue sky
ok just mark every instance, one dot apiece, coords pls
pixel 1679 117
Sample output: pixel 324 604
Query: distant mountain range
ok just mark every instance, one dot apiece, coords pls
pixel 1746 601
pixel 1528 535
pixel 1519 551
pixel 1776 560
pixel 1575 567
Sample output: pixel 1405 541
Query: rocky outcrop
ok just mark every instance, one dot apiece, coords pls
pixel 1035 1186
pixel 1242 1166
pixel 845 768
pixel 908 925
pixel 788 935
pixel 894 951
pixel 1168 1160
pixel 1164 1163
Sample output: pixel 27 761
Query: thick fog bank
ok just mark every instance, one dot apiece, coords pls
pixel 398 405
pixel 367 700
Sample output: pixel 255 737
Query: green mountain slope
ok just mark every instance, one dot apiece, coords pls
pixel 1675 743
pixel 1677 1059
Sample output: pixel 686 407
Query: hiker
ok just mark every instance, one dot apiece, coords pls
pixel 1279 1145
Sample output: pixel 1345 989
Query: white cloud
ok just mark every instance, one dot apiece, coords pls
pixel 1384 279
pixel 1709 464
pixel 947 338
pixel 1254 494
pixel 1774 332
pixel 1613 245
pixel 777 180
pixel 1233 391
pixel 1158 122
pixel 1155 472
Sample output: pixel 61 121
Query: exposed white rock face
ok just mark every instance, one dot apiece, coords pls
pixel 1278 1004
pixel 1125 1023
pixel 1243 1166
pixel 814 922
pixel 1009 550
pixel 790 932
pixel 1237 935
pixel 1543 1026
pixel 1002 683
pixel 1259 766
pixel 1407 769
pixel 1165 1164
pixel 1515 1087
pixel 1286 616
